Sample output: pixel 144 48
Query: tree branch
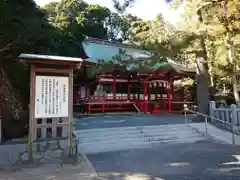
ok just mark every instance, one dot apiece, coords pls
pixel 6 47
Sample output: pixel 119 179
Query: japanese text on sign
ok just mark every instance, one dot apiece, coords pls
pixel 51 97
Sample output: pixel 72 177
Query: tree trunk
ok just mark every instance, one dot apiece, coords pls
pixel 234 78
pixel 230 51
pixel 202 84
pixel 211 76
pixel 202 75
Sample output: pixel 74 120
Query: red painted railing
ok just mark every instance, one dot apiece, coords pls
pixel 109 102
pixel 134 98
pixel 112 98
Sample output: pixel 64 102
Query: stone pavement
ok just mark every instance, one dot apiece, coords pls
pixel 50 162
pixel 10 154
pixel 198 161
pixel 204 160
pixel 68 169
pixel 216 133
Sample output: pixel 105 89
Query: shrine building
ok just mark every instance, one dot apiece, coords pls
pixel 100 88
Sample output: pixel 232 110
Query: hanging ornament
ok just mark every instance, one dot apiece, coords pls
pixel 160 84
pixel 164 84
pixel 150 85
pixel 154 84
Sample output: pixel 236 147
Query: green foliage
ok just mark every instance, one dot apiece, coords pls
pixel 181 42
pixel 162 38
pixel 121 6
pixel 56 29
pixel 23 28
pixel 220 30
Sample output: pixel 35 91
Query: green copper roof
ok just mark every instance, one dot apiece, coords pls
pixel 141 60
pixel 98 49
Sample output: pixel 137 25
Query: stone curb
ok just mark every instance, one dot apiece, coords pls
pixel 90 165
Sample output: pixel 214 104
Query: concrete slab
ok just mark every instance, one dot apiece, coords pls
pixel 202 160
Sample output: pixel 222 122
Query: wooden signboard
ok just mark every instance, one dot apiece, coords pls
pixel 51 95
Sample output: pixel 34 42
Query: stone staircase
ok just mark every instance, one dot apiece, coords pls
pixel 114 139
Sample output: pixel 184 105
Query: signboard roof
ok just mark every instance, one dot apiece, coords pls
pixel 33 57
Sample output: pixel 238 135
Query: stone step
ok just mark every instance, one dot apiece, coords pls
pixel 93 150
pixel 173 136
pixel 176 128
pixel 136 136
pixel 89 150
pixel 152 127
pixel 132 131
pixel 106 129
pixel 173 131
pixel 110 131
pixel 112 137
pixel 82 134
pixel 123 140
pixel 179 140
pixel 117 129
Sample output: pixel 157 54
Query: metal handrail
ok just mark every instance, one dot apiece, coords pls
pixel 206 117
pixel 198 113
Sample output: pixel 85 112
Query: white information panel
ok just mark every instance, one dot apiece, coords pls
pixel 51 97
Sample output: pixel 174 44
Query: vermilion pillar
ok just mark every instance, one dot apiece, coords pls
pixel 86 92
pixel 138 96
pixel 114 88
pixel 145 96
pixel 172 89
pixel 129 91
pixel 169 95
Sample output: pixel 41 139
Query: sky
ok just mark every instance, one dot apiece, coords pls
pixel 142 9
